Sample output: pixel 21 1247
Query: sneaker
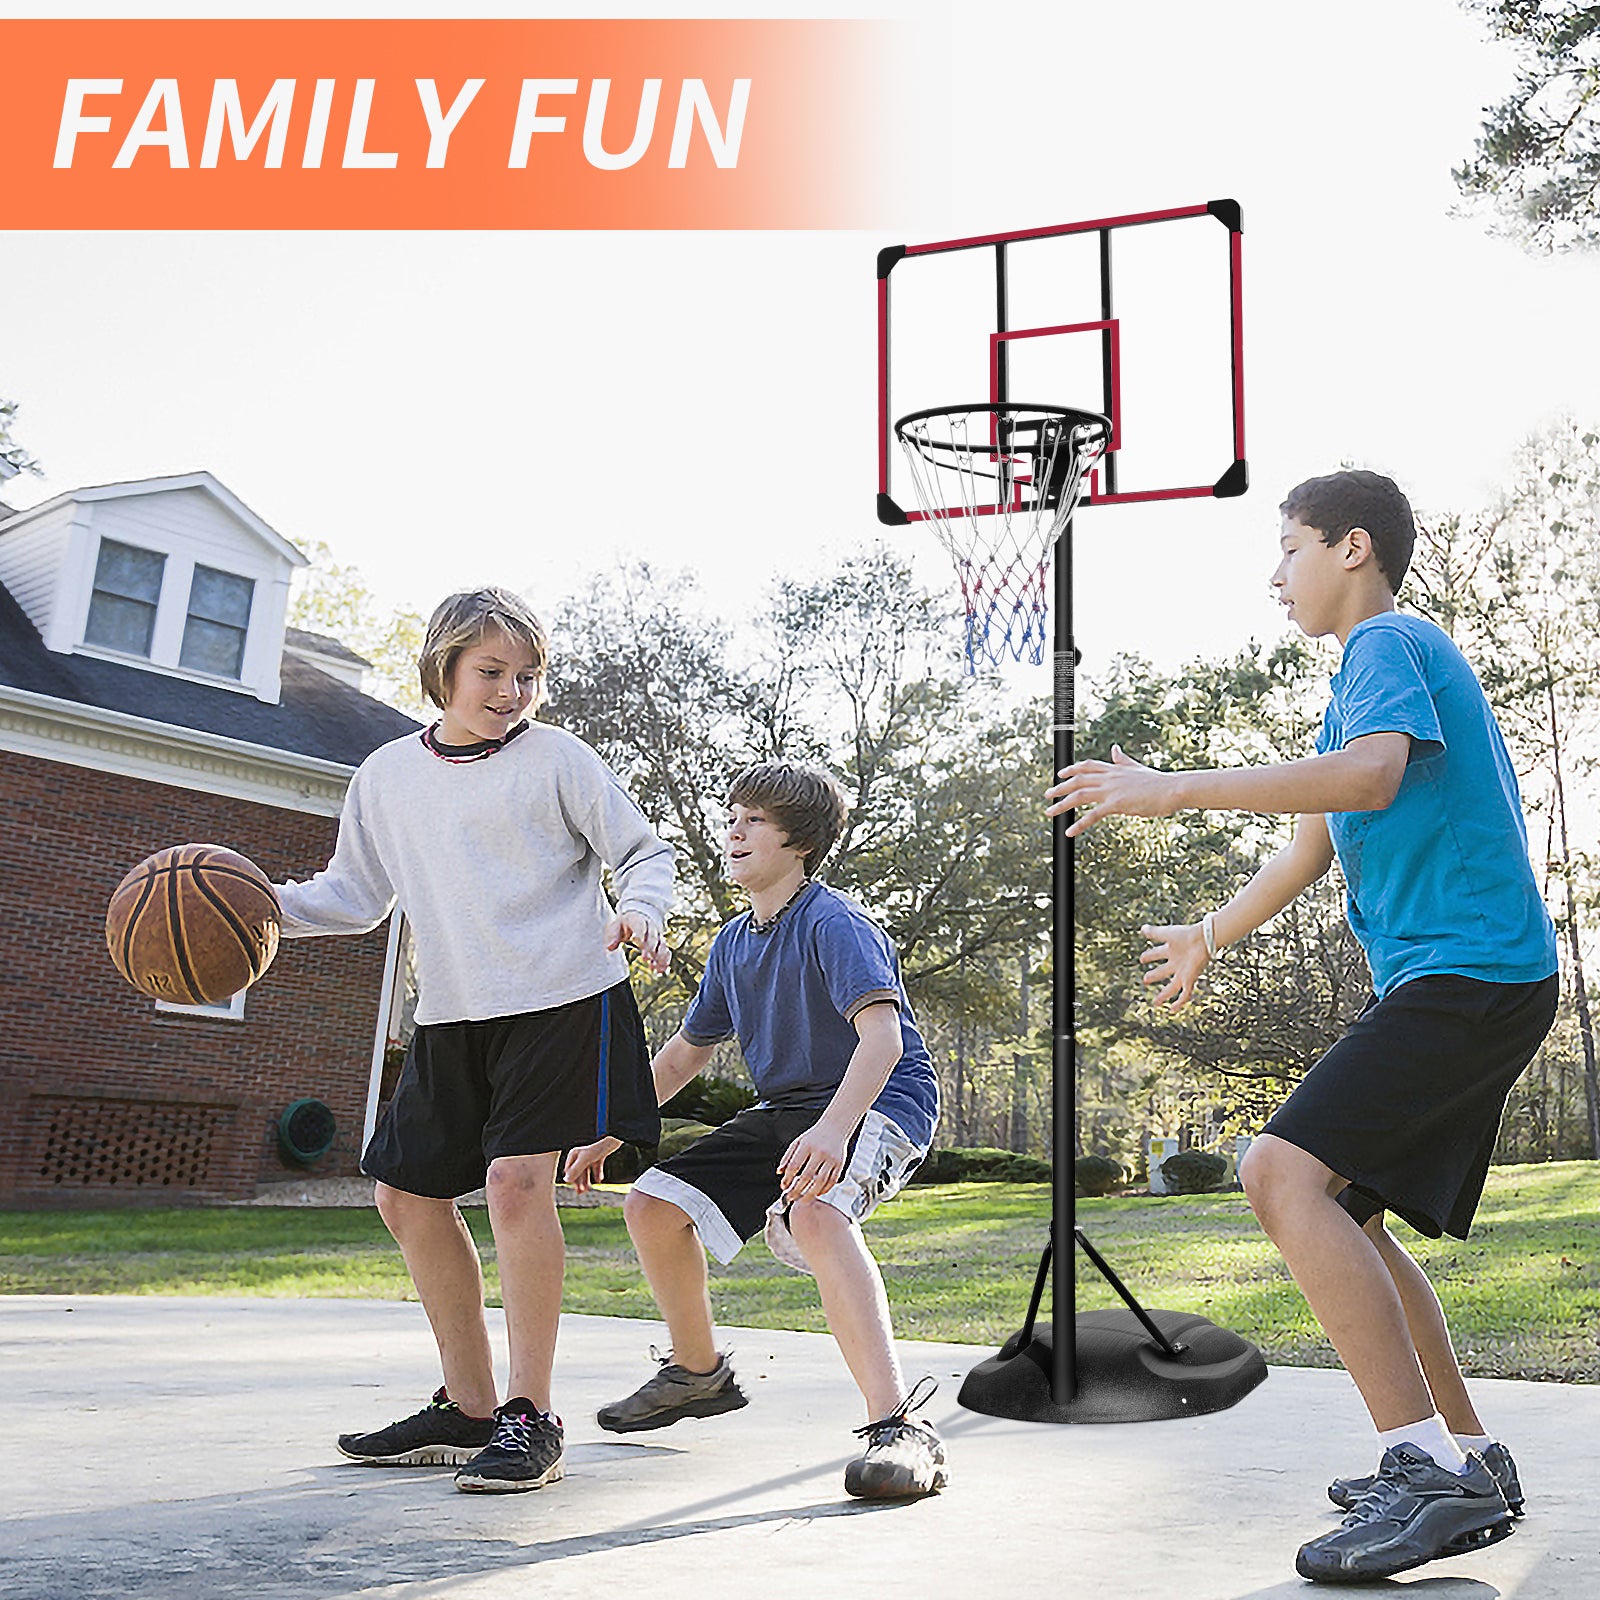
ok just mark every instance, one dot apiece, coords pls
pixel 1344 1492
pixel 1415 1511
pixel 441 1434
pixel 525 1452
pixel 903 1458
pixel 672 1394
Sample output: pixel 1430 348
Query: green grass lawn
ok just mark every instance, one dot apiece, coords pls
pixel 1523 1295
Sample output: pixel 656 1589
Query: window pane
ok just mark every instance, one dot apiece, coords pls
pixel 126 570
pixel 221 597
pixel 212 647
pixel 120 624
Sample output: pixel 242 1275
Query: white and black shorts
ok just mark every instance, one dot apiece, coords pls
pixel 727 1183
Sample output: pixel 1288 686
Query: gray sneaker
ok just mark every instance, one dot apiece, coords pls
pixel 1344 1492
pixel 1416 1511
pixel 672 1394
pixel 904 1458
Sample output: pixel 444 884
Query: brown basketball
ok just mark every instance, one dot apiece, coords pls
pixel 193 924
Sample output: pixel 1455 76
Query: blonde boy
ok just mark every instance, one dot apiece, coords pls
pixel 490 831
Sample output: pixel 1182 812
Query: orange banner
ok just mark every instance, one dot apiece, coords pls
pixel 537 124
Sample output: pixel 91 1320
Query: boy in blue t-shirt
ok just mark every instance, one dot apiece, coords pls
pixel 1414 792
pixel 811 986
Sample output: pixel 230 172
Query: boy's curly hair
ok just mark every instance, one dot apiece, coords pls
pixel 1356 498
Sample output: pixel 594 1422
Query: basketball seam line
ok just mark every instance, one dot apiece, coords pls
pixel 231 917
pixel 146 893
pixel 178 935
pixel 216 869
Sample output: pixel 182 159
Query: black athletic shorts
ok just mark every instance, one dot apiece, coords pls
pixel 514 1086
pixel 1407 1104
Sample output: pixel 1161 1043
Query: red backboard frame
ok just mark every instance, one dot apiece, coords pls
pixel 1102 488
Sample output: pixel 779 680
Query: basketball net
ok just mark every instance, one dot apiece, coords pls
pixel 999 482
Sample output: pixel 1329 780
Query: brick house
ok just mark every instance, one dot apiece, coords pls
pixel 151 694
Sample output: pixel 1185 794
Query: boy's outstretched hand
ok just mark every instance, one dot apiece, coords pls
pixel 1120 786
pixel 586 1166
pixel 1176 958
pixel 631 927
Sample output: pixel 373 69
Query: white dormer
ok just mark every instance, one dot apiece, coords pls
pixel 175 575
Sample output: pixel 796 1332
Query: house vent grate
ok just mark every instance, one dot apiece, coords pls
pixel 127 1144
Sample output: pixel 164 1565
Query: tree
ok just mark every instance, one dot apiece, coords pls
pixel 334 599
pixel 1274 1002
pixel 642 675
pixel 936 843
pixel 1537 161
pixel 1533 629
pixel 853 670
pixel 11 452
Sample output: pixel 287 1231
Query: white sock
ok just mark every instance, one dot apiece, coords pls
pixel 1431 1435
pixel 1475 1441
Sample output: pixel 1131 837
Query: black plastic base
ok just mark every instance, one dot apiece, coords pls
pixel 1122 1373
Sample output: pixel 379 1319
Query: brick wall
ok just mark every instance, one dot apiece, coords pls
pixel 105 1100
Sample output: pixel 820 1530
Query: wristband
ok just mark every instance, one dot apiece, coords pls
pixel 1208 931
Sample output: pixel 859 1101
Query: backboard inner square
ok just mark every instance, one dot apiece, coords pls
pixel 1108 328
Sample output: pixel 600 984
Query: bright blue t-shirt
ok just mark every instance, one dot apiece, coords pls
pixel 792 994
pixel 1439 881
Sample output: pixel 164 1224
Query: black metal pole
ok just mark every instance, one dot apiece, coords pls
pixel 1119 1366
pixel 1063 1226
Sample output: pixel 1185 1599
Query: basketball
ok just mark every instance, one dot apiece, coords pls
pixel 193 924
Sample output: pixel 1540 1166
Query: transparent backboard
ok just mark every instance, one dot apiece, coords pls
pixel 1139 318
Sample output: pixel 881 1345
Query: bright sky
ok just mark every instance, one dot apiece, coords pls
pixel 446 409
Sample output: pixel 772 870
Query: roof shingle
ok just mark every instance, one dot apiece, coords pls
pixel 317 716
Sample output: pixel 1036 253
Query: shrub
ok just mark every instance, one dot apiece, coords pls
pixel 1193 1172
pixel 1098 1175
pixel 677 1135
pixel 712 1101
pixel 980 1166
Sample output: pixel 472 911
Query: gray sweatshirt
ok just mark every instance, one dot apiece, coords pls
pixel 496 863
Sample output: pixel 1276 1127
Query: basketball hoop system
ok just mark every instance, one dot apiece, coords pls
pixel 998 482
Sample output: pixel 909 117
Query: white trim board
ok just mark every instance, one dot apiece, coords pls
pixel 52 729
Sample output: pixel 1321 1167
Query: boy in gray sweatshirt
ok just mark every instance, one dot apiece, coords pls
pixel 490 831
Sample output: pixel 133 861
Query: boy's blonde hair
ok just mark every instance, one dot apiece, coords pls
pixel 806 802
pixel 462 620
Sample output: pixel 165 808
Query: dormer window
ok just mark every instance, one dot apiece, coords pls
pixel 218 621
pixel 175 576
pixel 127 589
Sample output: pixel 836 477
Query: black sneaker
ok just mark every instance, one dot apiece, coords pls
pixel 525 1452
pixel 672 1394
pixel 1344 1492
pixel 903 1458
pixel 1415 1511
pixel 441 1434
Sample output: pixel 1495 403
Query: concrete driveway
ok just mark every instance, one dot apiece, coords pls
pixel 182 1449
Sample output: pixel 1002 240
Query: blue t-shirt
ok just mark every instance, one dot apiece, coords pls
pixel 791 995
pixel 1439 881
